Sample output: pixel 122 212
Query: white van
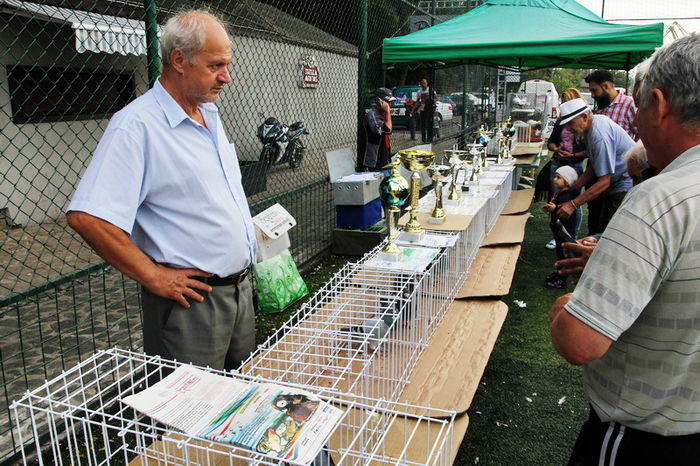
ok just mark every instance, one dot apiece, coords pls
pixel 547 97
pixel 546 102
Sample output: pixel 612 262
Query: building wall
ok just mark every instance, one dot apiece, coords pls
pixel 42 163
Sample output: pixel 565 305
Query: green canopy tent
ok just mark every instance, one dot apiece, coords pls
pixel 528 34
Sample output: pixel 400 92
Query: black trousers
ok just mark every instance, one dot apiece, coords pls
pixel 612 444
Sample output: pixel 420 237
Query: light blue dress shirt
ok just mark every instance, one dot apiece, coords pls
pixel 172 184
pixel 606 142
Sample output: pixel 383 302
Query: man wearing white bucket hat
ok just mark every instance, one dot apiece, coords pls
pixel 606 142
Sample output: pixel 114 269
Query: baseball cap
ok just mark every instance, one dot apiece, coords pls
pixel 384 94
pixel 571 109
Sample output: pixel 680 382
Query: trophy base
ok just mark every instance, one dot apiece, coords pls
pixel 412 237
pixel 452 202
pixel 390 256
pixel 436 220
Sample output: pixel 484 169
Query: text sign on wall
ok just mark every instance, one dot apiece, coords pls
pixel 309 72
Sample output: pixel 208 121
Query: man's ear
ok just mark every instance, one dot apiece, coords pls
pixel 177 60
pixel 658 106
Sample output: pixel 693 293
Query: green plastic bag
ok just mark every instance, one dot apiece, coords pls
pixel 278 283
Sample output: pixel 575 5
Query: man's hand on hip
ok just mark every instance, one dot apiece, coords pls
pixel 177 285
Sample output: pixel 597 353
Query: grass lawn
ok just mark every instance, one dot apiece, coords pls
pixel 516 417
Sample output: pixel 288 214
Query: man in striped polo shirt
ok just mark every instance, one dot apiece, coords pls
pixel 633 320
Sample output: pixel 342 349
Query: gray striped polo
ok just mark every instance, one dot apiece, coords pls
pixel 641 288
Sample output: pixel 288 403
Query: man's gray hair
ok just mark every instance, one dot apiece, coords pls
pixel 187 32
pixel 675 70
pixel 637 153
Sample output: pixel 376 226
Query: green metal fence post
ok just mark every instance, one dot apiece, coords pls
pixel 151 41
pixel 361 75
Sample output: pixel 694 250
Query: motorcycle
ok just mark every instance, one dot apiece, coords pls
pixel 282 143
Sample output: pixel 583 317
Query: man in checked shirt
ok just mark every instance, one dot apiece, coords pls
pixel 615 105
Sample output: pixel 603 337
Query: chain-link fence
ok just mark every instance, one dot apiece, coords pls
pixel 68 65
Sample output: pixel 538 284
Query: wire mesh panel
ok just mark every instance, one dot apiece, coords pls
pixel 88 423
pixel 361 333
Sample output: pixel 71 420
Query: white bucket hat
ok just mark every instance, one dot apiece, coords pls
pixel 571 109
pixel 568 173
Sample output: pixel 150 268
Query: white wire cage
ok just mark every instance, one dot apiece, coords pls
pixel 361 333
pixel 81 416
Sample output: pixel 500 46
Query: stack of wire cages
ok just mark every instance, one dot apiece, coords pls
pixel 361 333
pixel 81 415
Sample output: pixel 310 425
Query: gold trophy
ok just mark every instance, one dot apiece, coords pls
pixel 455 163
pixel 437 173
pixel 476 163
pixel 415 161
pixel 393 192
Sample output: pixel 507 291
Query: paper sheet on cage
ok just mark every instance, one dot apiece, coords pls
pixel 408 441
pixel 519 202
pixel 453 222
pixel 491 272
pixel 449 370
pixel 509 229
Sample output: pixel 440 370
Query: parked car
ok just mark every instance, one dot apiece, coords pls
pixel 405 94
pixel 589 99
pixel 446 99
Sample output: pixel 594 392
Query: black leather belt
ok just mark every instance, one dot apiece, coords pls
pixel 216 280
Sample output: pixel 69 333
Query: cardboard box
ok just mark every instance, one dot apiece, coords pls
pixel 348 192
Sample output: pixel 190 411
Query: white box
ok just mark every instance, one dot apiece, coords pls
pixel 350 192
pixel 271 231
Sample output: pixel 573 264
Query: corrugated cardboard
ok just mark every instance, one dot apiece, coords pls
pixel 453 222
pixel 406 442
pixel 509 229
pixel 527 148
pixel 449 370
pixel 491 272
pixel 519 202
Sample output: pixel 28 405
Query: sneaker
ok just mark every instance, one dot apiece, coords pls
pixel 551 245
pixel 554 280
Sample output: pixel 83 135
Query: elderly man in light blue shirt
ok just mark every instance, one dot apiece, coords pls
pixel 162 201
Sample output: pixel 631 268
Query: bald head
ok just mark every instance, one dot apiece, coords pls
pixel 188 32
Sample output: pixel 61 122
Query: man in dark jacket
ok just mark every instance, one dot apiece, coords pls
pixel 377 130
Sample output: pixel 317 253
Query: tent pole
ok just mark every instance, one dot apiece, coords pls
pixel 431 104
pixel 464 97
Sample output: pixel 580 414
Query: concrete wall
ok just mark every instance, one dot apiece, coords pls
pixel 40 164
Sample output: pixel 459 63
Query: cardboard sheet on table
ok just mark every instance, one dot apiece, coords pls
pixel 396 447
pixel 531 148
pixel 453 222
pixel 509 229
pixel 491 272
pixel 519 202
pixel 449 371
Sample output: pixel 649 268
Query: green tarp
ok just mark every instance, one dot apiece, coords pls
pixel 530 34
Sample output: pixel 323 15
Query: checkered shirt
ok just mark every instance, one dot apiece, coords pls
pixel 622 111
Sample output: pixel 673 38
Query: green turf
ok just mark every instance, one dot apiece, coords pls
pixel 505 428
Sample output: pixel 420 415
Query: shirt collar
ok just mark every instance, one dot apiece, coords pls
pixel 686 157
pixel 173 112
